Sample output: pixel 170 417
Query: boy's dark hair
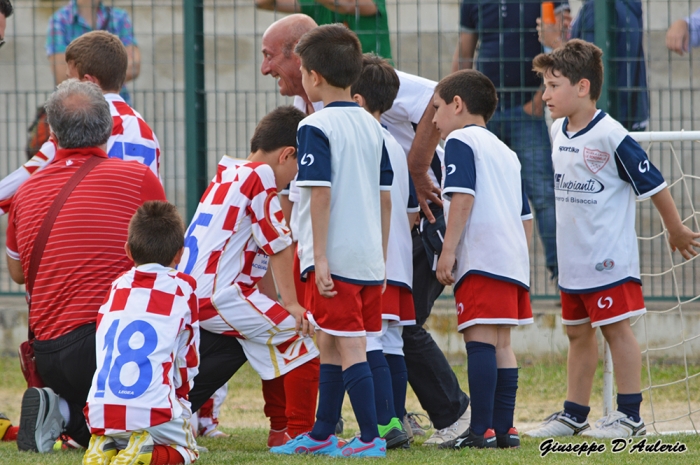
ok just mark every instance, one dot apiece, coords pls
pixel 334 52
pixel 156 233
pixel 277 129
pixel 102 55
pixel 6 8
pixel 378 83
pixel 576 60
pixel 476 91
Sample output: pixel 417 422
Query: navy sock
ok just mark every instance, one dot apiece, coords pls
pixel 482 375
pixel 383 392
pixel 504 399
pixel 629 405
pixel 360 387
pixel 331 391
pixel 578 413
pixel 399 383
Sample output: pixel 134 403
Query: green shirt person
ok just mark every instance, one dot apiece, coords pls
pixel 367 18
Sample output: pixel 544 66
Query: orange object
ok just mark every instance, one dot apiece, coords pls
pixel 548 13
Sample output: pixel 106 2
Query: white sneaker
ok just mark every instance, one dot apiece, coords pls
pixel 617 425
pixel 41 422
pixel 446 437
pixel 558 424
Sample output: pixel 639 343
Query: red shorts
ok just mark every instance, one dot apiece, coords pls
pixel 355 310
pixel 298 283
pixel 397 305
pixel 487 301
pixel 603 307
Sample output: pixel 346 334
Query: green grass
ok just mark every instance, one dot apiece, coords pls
pixel 542 390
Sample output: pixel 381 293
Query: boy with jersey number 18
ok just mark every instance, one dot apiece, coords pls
pixel 345 179
pixel 599 170
pixel 485 252
pixel 150 320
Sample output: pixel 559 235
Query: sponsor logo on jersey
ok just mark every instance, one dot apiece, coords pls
pixel 307 159
pixel 568 149
pixel 595 159
pixel 644 166
pixel 451 169
pixel 605 302
pixel 606 265
pixel 589 186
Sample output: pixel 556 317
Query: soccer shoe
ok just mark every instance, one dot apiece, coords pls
pixel 469 439
pixel 101 451
pixel 448 436
pixel 65 442
pixel 212 431
pixel 410 422
pixel 278 438
pixel 393 434
pixel 5 424
pixel 616 425
pixel 510 440
pixel 556 425
pixel 305 444
pixel 139 451
pixel 40 422
pixel 409 431
pixel 357 448
pixel 340 426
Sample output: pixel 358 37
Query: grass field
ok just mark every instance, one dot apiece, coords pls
pixel 542 390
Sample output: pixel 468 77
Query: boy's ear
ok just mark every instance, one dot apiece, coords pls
pixel 127 249
pixel 287 154
pixel 583 87
pixel 360 100
pixel 459 104
pixel 316 79
pixel 178 257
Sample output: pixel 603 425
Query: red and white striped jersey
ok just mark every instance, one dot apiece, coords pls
pixel 147 346
pixel 237 225
pixel 131 139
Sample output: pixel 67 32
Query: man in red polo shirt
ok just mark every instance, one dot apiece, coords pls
pixel 83 255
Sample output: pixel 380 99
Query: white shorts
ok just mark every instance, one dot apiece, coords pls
pixel 175 433
pixel 390 342
pixel 266 331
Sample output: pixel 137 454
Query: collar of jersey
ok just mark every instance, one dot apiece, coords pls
pixel 474 125
pixel 112 97
pixel 590 126
pixel 152 267
pixel 83 152
pixel 342 104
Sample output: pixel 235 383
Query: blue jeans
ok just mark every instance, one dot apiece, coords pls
pixel 528 137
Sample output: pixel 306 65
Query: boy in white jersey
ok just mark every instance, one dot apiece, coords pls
pixel 599 170
pixel 485 252
pixel 344 213
pixel 147 351
pixel 237 232
pixel 375 91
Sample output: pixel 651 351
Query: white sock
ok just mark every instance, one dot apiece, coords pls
pixel 64 409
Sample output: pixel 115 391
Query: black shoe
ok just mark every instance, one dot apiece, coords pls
pixel 510 440
pixel 395 438
pixel 339 427
pixel 469 439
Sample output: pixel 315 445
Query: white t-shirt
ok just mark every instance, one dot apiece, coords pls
pixel 598 173
pixel 493 242
pixel 399 254
pixel 342 147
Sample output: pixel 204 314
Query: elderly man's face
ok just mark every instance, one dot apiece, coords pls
pixel 279 66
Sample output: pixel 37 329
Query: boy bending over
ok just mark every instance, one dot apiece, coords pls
pixel 599 170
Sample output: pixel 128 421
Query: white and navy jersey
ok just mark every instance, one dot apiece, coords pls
pixel 342 147
pixel 493 242
pixel 399 254
pixel 598 173
pixel 237 225
pixel 131 139
pixel 147 347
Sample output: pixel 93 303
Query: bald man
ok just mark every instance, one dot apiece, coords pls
pixel 410 122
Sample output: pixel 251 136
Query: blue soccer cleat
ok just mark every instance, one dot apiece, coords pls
pixel 305 444
pixel 357 448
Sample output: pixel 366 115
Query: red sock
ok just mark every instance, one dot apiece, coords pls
pixel 207 409
pixel 301 390
pixel 166 455
pixel 11 433
pixel 275 401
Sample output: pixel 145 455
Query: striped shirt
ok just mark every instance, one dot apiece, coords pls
pixel 85 250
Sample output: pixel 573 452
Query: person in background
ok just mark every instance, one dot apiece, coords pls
pixel 684 33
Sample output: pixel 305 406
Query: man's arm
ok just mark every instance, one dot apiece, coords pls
pixel 419 157
pixel 679 236
pixel 460 207
pixel 133 68
pixel 464 54
pixel 684 33
pixel 15 269
pixel 284 6
pixel 320 219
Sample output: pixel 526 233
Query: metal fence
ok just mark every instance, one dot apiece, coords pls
pixel 212 66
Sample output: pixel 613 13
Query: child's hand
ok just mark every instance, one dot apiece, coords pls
pixel 683 239
pixel 303 326
pixel 444 268
pixel 323 278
